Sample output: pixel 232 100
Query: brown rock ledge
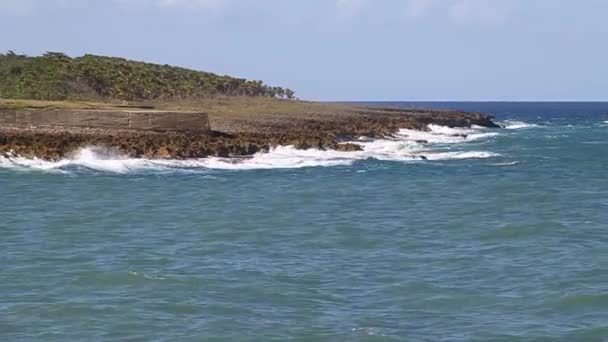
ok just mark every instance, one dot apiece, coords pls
pixel 309 125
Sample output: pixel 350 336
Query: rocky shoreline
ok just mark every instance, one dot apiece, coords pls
pixel 231 137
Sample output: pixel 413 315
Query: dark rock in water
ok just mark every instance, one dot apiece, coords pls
pixel 455 118
pixel 348 147
pixel 422 141
pixel 424 158
pixel 365 139
pixel 464 136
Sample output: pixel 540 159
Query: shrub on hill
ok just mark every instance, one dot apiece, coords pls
pixel 56 76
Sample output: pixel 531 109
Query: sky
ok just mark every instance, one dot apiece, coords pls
pixel 340 50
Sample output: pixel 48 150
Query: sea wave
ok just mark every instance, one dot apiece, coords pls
pixel 93 158
pixel 405 146
pixel 511 163
pixel 445 135
pixel 514 124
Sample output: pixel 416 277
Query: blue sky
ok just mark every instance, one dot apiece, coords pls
pixel 342 49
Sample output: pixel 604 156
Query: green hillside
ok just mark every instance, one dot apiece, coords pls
pixel 56 76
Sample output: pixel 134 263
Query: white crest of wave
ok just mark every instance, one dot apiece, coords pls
pixel 445 130
pixel 513 124
pixel 444 135
pixel 91 157
pixel 281 157
pixel 462 155
pixel 511 163
pixel 406 146
pixel 288 157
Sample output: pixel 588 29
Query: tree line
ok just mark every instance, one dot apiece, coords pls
pixel 56 76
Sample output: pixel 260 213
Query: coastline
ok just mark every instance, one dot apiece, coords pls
pixel 238 127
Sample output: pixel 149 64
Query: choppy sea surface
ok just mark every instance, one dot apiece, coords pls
pixel 446 235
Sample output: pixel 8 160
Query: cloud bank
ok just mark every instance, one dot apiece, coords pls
pixel 476 12
pixel 16 7
pixel 208 4
pixel 164 4
pixel 457 11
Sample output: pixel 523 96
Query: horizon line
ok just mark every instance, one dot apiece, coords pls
pixel 465 101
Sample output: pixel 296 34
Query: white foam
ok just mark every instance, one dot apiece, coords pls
pixel 91 158
pixel 444 135
pixel 462 155
pixel 281 157
pixel 438 129
pixel 507 163
pixel 513 124
pixel 405 146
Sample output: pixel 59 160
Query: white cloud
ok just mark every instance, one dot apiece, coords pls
pixel 417 8
pixel 348 9
pixel 486 12
pixel 462 12
pixel 16 7
pixel 187 4
pixel 205 4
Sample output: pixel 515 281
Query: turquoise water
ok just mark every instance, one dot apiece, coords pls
pixel 499 236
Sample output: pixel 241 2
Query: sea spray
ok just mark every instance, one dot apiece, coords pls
pixel 514 124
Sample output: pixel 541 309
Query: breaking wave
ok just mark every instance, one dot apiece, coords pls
pixel 88 158
pixel 405 146
pixel 513 124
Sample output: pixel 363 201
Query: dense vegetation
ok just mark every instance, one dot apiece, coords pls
pixel 55 76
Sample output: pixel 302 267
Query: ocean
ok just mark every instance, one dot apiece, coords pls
pixel 447 235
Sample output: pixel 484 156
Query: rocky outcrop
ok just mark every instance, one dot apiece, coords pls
pixel 51 142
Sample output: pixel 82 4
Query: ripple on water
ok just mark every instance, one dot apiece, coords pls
pixel 518 231
pixel 580 302
pixel 425 250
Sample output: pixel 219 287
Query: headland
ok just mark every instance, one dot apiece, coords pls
pixel 146 110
